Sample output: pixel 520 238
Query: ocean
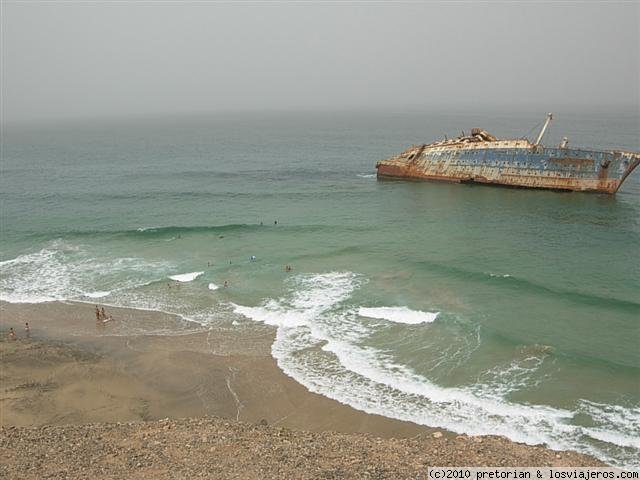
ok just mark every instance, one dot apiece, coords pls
pixel 481 310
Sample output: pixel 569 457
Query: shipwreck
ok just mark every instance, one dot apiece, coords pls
pixel 482 158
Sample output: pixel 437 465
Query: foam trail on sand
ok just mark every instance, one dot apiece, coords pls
pixel 398 314
pixel 98 294
pixel 186 277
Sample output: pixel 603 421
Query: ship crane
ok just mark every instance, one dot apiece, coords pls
pixel 544 128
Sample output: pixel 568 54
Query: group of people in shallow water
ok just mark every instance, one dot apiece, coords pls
pixel 101 316
pixel 27 332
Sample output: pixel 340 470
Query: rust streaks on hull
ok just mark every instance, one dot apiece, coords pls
pixel 572 162
pixel 533 167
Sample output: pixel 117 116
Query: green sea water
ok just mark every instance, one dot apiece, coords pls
pixel 478 309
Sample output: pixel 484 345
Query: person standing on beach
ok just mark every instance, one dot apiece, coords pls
pixel 97 313
pixel 103 314
pixel 27 330
pixel 12 334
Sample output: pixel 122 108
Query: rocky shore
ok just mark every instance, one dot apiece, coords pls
pixel 218 448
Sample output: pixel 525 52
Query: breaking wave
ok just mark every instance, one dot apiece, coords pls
pixel 398 314
pixel 321 344
pixel 186 277
pixel 63 271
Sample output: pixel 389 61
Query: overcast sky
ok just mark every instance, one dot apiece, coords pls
pixel 75 59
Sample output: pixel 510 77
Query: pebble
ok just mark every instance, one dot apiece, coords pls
pixel 169 449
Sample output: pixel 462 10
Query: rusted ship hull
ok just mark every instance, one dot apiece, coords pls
pixel 516 163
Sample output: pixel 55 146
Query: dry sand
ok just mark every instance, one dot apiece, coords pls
pixel 73 372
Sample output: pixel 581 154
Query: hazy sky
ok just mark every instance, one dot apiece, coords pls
pixel 69 59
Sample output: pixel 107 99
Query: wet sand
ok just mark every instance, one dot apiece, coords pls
pixel 73 372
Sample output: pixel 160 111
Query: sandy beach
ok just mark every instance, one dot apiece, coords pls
pixel 108 388
pixel 71 371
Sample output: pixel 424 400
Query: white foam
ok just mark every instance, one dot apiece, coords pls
pixel 144 229
pixel 612 437
pixel 186 277
pixel 25 298
pixel 213 286
pixel 615 424
pixel 398 314
pixel 319 343
pixel 62 271
pixel 314 295
pixel 98 294
pixel 37 277
pixel 367 175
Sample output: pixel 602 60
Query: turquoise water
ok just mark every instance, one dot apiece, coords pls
pixel 482 310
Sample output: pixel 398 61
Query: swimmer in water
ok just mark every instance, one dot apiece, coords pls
pixel 226 284
pixel 27 330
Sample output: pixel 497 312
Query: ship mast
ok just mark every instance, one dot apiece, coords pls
pixel 544 128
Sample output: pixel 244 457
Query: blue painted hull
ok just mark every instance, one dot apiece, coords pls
pixel 514 163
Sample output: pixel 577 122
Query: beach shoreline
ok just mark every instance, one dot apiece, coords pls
pixel 149 374
pixel 73 372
